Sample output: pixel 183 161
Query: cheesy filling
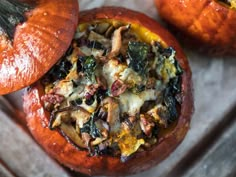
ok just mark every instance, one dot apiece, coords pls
pixel 231 3
pixel 114 90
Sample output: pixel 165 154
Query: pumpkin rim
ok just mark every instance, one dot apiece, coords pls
pixel 37 123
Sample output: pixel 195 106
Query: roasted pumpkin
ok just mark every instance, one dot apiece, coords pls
pixel 119 101
pixel 210 23
pixel 34 35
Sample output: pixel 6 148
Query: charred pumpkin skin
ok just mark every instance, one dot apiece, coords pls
pixel 38 43
pixel 209 22
pixel 67 154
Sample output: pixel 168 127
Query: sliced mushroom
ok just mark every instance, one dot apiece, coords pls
pixel 97 141
pixel 101 81
pixel 58 116
pixel 86 139
pixel 81 116
pixel 69 132
pixel 132 125
pixel 109 31
pixel 93 36
pixel 103 128
pixel 113 116
pixel 117 41
pixel 102 28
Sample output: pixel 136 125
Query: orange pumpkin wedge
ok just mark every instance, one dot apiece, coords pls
pixel 211 23
pixel 37 43
pixel 74 154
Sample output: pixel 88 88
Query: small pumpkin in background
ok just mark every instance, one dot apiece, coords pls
pixel 210 23
pixel 34 35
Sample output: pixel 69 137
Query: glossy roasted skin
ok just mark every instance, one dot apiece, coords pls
pixel 209 22
pixel 57 146
pixel 38 43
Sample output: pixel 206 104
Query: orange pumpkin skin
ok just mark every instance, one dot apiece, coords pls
pixel 67 154
pixel 38 43
pixel 209 22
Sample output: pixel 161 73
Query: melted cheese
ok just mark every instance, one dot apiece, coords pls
pixel 130 77
pixel 111 71
pixel 131 103
pixel 233 4
pixel 168 71
pixel 128 144
pixel 64 88
pixel 88 51
pixel 128 102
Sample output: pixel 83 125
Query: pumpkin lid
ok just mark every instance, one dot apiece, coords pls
pixel 33 37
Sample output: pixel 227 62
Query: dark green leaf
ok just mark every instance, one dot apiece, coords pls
pixel 59 71
pixel 178 68
pixel 175 85
pixel 88 64
pixel 138 52
pixel 167 52
pixel 90 127
pixel 171 104
pixel 170 101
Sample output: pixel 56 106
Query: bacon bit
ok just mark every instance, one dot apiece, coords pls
pixel 118 87
pixel 117 41
pixel 52 98
pixel 91 89
pixel 146 125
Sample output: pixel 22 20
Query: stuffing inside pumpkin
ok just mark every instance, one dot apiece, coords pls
pixel 231 3
pixel 114 91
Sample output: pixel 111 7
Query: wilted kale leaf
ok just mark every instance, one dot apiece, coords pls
pixel 138 52
pixel 88 64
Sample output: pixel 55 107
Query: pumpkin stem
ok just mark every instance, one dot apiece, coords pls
pixel 11 14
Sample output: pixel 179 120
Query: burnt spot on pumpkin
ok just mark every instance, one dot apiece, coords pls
pixel 12 13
